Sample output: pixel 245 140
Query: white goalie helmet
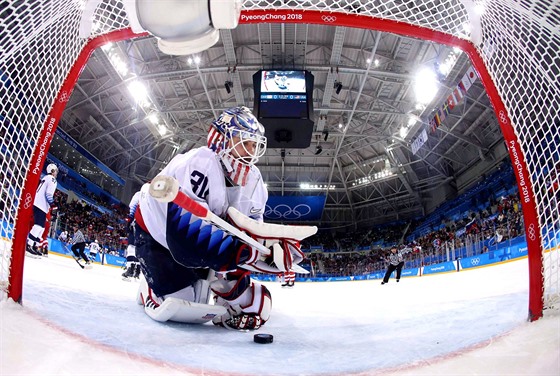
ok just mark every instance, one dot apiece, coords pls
pixel 51 167
pixel 237 133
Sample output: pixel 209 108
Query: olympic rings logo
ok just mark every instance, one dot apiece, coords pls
pixel 283 211
pixel 532 233
pixel 27 201
pixel 329 19
pixel 475 261
pixel 503 117
pixel 63 97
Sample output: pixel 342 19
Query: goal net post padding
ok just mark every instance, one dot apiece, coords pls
pixel 516 56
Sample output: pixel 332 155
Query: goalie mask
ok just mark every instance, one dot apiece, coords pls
pixel 238 137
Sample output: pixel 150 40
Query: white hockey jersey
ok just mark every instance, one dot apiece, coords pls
pixel 94 247
pixel 201 177
pixel 44 197
pixel 134 202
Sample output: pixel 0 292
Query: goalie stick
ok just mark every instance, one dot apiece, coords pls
pixel 166 189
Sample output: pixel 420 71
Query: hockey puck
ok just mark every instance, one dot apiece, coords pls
pixel 263 338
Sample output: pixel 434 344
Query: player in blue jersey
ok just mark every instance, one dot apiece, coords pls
pixel 186 259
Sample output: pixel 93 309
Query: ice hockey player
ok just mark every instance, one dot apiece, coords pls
pixel 179 251
pixel 63 237
pixel 132 264
pixel 94 249
pixel 44 199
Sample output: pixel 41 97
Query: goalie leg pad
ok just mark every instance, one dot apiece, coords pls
pixel 175 309
pixel 178 310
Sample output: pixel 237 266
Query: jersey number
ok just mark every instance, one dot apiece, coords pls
pixel 199 184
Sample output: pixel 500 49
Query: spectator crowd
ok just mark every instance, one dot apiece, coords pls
pixel 357 252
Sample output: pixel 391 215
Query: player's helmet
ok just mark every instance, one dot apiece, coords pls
pixel 96 241
pixel 51 167
pixel 238 126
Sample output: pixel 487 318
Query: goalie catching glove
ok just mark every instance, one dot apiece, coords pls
pixel 283 242
pixel 248 303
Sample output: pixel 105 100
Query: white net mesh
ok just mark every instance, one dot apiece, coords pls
pixel 521 48
pixel 39 43
pixel 519 44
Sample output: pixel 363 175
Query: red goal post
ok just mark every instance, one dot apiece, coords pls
pixel 514 46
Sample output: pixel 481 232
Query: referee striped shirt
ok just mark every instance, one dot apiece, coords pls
pixel 78 238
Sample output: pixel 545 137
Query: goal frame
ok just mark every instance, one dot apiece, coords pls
pixel 529 207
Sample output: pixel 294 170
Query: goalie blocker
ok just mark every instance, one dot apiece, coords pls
pixel 279 253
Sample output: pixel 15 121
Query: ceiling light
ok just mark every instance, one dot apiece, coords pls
pixel 153 118
pixel 425 86
pixel 138 91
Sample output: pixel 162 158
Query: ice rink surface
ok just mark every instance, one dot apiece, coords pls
pixel 87 322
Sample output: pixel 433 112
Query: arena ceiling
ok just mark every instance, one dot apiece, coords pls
pixel 363 120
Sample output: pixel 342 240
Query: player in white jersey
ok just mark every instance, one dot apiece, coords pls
pixel 94 249
pixel 44 199
pixel 178 250
pixel 132 264
pixel 63 237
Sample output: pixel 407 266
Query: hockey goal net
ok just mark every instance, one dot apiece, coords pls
pixel 514 46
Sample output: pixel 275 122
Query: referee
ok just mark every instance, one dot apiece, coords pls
pixel 79 244
pixel 396 262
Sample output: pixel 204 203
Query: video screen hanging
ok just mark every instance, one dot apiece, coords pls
pixel 282 81
pixel 283 94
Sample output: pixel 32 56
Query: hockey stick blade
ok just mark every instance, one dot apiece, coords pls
pixel 79 263
pixel 166 189
pixel 73 257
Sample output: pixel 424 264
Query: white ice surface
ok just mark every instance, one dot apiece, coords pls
pixel 86 322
